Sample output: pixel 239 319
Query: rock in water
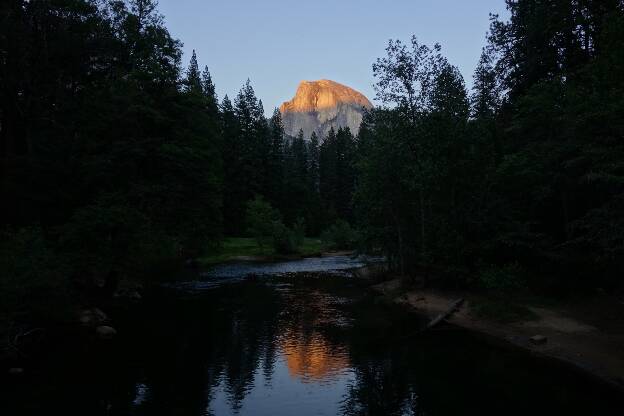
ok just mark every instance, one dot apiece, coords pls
pixel 92 317
pixel 105 332
pixel 320 105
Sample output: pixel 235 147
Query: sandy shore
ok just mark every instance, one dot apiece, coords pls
pixel 585 343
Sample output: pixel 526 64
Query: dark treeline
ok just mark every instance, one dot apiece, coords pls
pixel 109 155
pixel 307 179
pixel 114 160
pixel 520 182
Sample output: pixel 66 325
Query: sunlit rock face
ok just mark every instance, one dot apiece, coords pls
pixel 320 105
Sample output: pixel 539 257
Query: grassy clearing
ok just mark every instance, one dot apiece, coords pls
pixel 235 247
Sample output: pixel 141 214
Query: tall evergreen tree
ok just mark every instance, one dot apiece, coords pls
pixel 328 172
pixel 345 175
pixel 193 77
pixel 208 86
pixel 300 158
pixel 295 180
pixel 313 162
pixel 276 161
pixel 486 95
pixel 234 181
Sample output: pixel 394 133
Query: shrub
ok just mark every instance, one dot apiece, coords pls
pixel 284 239
pixel 110 236
pixel 266 227
pixel 298 229
pixel 32 275
pixel 339 236
pixel 261 218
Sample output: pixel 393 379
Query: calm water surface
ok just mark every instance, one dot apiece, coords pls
pixel 305 343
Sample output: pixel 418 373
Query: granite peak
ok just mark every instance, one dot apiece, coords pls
pixel 320 105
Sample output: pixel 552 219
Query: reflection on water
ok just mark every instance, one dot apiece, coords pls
pixel 292 345
pixel 298 366
pixel 312 359
pixel 308 354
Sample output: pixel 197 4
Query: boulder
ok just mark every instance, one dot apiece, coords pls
pixel 371 271
pixel 135 295
pixel 105 332
pixel 538 339
pixel 92 317
pixel 128 294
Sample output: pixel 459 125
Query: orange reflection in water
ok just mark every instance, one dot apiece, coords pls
pixel 312 358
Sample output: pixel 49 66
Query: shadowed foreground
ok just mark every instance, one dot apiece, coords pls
pixel 301 343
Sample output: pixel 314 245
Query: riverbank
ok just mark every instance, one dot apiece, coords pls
pixel 247 249
pixel 590 336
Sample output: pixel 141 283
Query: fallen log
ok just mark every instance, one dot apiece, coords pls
pixel 441 317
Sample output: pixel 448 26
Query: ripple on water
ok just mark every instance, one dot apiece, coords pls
pixel 238 271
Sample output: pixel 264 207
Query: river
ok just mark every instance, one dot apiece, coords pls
pixel 297 338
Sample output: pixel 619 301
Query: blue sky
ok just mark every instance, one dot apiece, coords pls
pixel 277 43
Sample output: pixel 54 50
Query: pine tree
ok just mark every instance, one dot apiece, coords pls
pixel 262 151
pixel 249 152
pixel 448 96
pixel 145 12
pixel 300 159
pixel 193 77
pixel 314 217
pixel 313 162
pixel 276 160
pixel 486 95
pixel 208 87
pixel 247 110
pixel 345 174
pixel 234 191
pixel 295 179
pixel 149 50
pixel 328 173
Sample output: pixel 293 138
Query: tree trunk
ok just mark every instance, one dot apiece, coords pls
pixel 441 317
pixel 423 235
